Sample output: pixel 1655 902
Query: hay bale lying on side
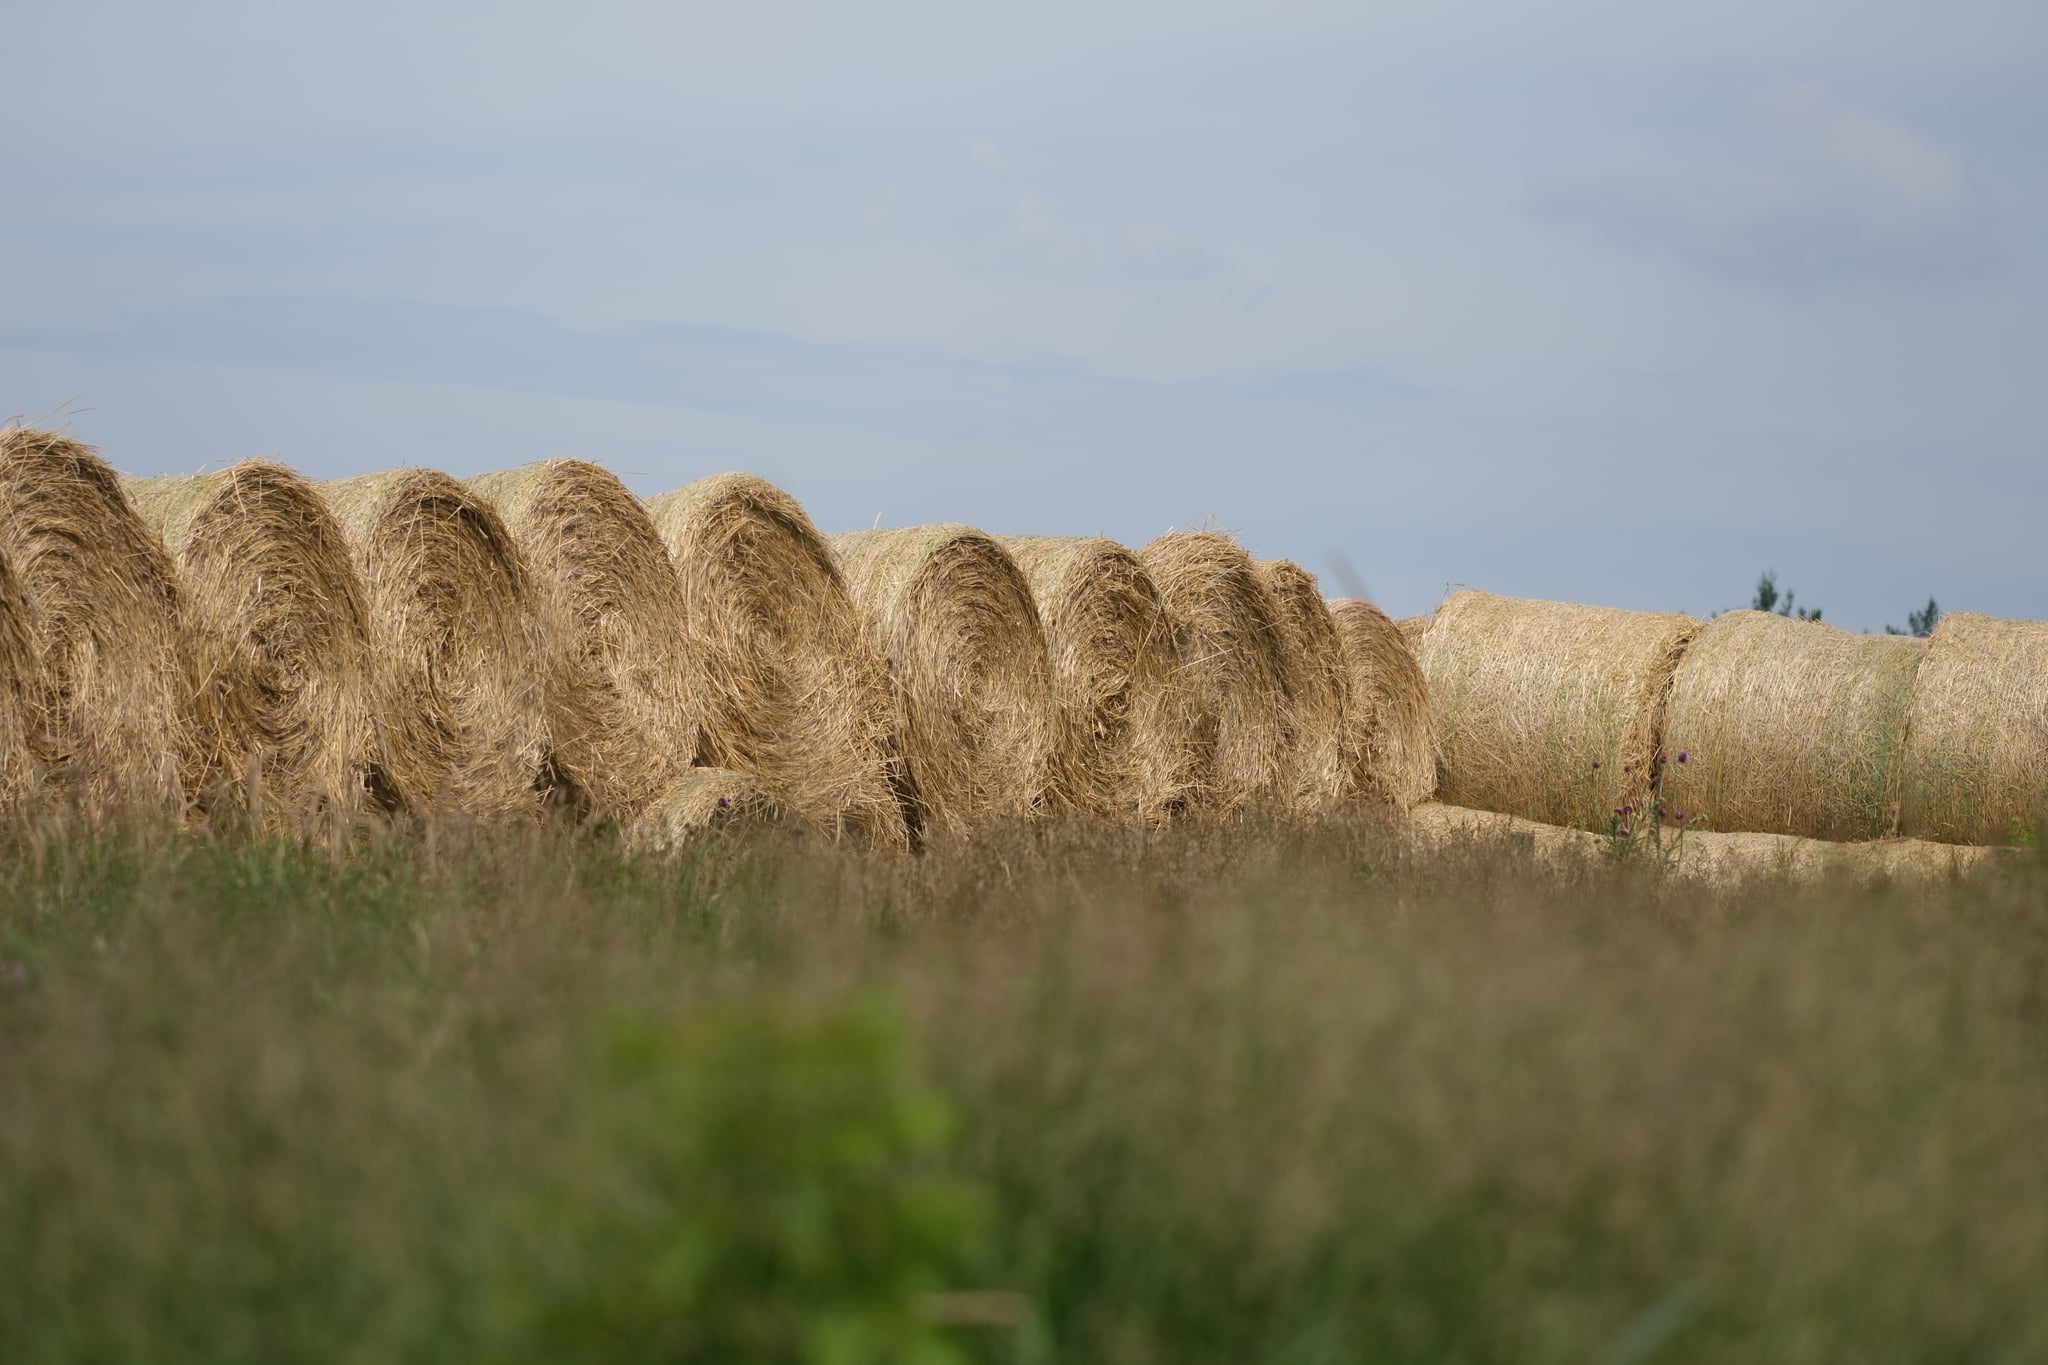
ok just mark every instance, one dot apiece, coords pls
pixel 1321 756
pixel 1549 710
pixel 1413 628
pixel 1393 728
pixel 791 687
pixel 1790 727
pixel 701 801
pixel 18 773
pixel 1226 627
pixel 1125 733
pixel 973 685
pixel 621 713
pixel 1976 761
pixel 276 639
pixel 102 599
pixel 456 668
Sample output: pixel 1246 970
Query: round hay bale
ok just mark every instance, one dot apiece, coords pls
pixel 621 714
pixel 276 639
pixel 1125 734
pixel 702 801
pixel 1413 628
pixel 953 614
pixel 1226 627
pixel 1790 727
pixel 1549 710
pixel 790 684
pixel 102 613
pixel 1976 767
pixel 456 677
pixel 1321 755
pixel 17 681
pixel 1393 728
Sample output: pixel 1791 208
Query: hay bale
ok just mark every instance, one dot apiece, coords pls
pixel 1790 727
pixel 698 803
pixel 791 687
pixel 456 678
pixel 1393 728
pixel 952 613
pixel 18 773
pixel 1321 757
pixel 1227 629
pixel 620 705
pixel 1124 731
pixel 1532 695
pixel 1413 628
pixel 1976 765
pixel 275 642
pixel 102 611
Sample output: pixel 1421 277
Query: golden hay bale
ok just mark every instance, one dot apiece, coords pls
pixel 1790 727
pixel 1321 756
pixel 1977 734
pixel 1125 732
pixel 276 638
pixel 1549 710
pixel 102 599
pixel 17 682
pixel 791 686
pixel 1413 628
pixel 1394 729
pixel 621 714
pixel 456 669
pixel 954 616
pixel 1226 627
pixel 698 802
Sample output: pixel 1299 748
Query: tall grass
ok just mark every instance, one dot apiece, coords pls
pixel 1055 1095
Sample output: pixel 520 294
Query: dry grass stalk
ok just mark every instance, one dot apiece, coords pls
pixel 620 704
pixel 1549 710
pixel 102 613
pixel 1394 729
pixel 1791 727
pixel 1226 627
pixel 457 674
pixel 1322 752
pixel 276 640
pixel 698 802
pixel 791 685
pixel 1709 858
pixel 1125 732
pixel 18 775
pixel 973 684
pixel 1976 761
pixel 1413 628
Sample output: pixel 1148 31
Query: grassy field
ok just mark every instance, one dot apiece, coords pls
pixel 1063 1095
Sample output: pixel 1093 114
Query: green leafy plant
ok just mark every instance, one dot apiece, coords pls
pixel 1655 832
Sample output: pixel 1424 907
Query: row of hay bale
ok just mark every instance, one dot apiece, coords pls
pixel 1749 722
pixel 407 641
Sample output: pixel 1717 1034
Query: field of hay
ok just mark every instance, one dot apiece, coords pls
pixel 507 919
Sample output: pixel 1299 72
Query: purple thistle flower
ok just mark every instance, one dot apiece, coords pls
pixel 1678 815
pixel 725 803
pixel 1626 830
pixel 1683 755
pixel 1596 763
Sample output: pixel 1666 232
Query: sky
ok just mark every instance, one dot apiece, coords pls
pixel 1579 299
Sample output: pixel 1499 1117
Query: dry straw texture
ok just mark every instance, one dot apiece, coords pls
pixel 1531 695
pixel 276 639
pixel 1226 627
pixel 699 802
pixel 1707 858
pixel 791 686
pixel 1321 758
pixel 953 615
pixel 457 679
pixel 1413 628
pixel 1791 727
pixel 102 599
pixel 617 659
pixel 1125 731
pixel 1977 740
pixel 17 677
pixel 1393 728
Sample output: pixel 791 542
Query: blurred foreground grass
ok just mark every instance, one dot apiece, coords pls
pixel 1062 1095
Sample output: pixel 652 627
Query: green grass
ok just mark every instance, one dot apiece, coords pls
pixel 1270 1095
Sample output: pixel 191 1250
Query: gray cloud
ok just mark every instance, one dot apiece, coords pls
pixel 1806 191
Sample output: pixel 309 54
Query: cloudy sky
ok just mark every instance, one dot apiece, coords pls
pixel 1591 299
